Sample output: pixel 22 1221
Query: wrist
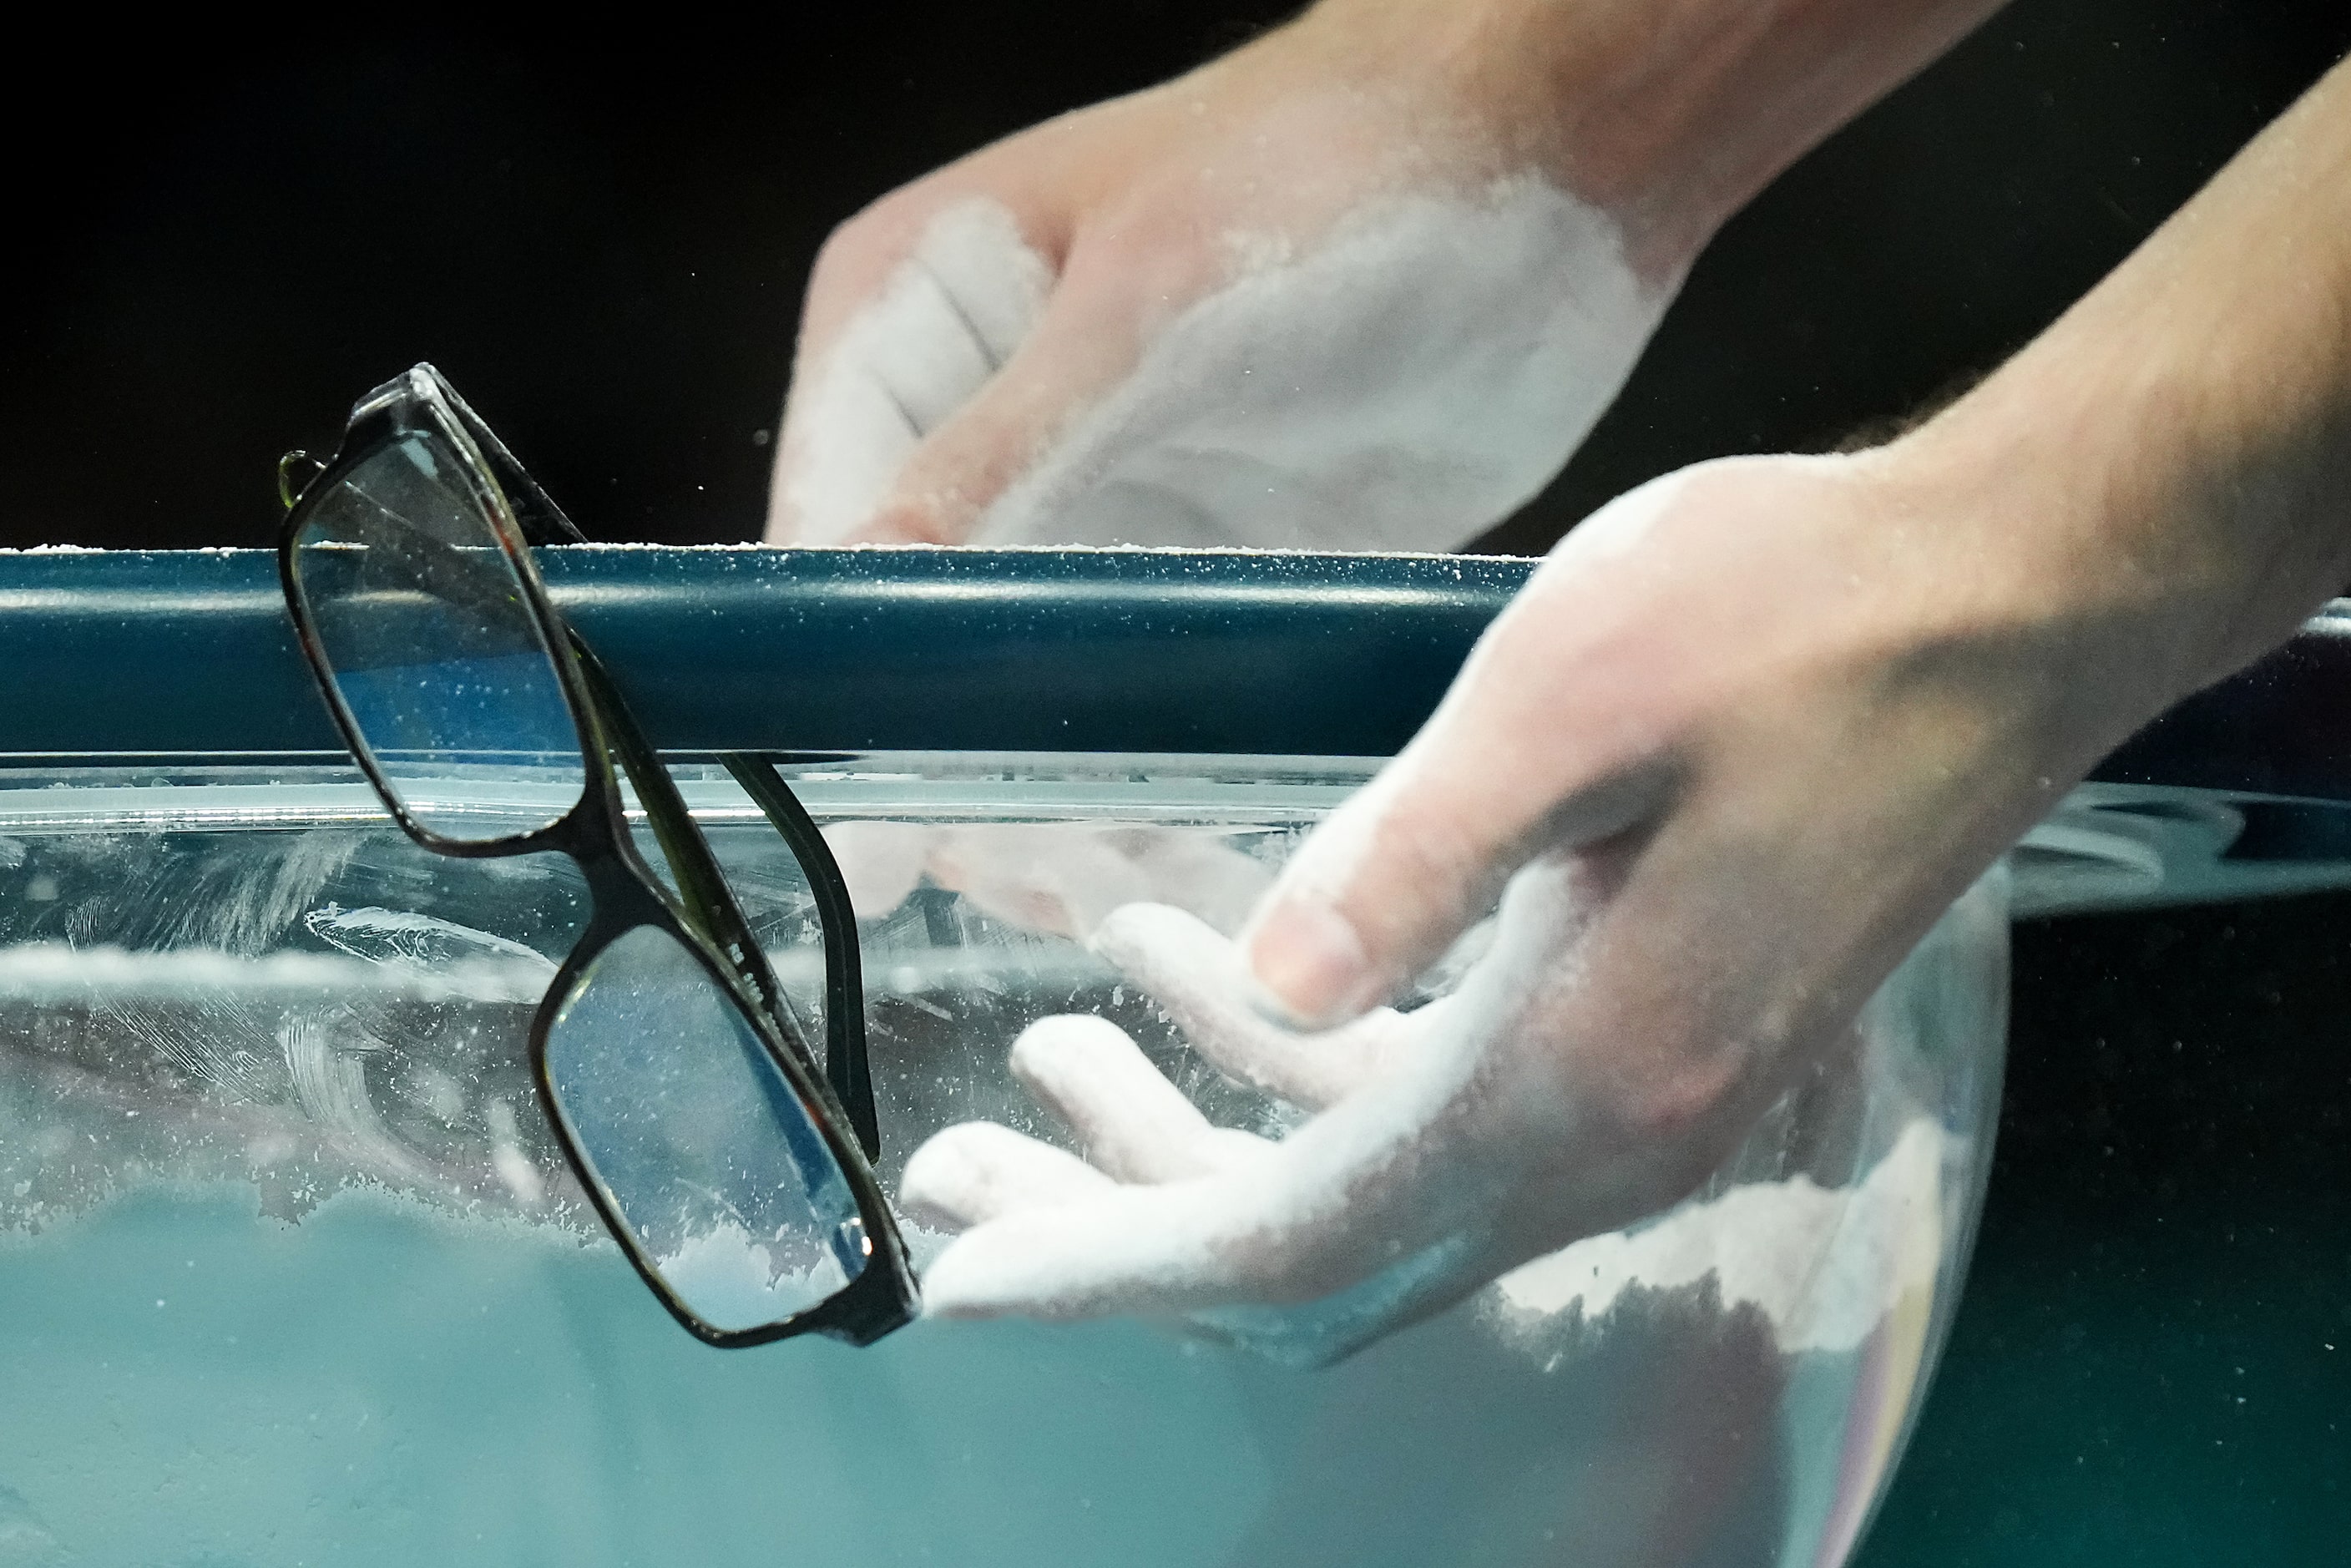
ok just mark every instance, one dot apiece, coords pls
pixel 1670 114
pixel 2102 571
pixel 2163 471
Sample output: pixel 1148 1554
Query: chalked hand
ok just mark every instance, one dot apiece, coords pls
pixel 1324 292
pixel 1719 792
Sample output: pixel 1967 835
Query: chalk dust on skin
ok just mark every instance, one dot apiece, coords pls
pixel 951 313
pixel 1404 383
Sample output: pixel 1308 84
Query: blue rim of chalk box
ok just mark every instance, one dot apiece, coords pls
pixel 187 653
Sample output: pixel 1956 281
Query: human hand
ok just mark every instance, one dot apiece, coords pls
pixel 1732 751
pixel 1364 283
pixel 1333 290
pixel 1058 878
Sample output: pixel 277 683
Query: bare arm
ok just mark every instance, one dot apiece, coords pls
pixel 1672 112
pixel 2179 444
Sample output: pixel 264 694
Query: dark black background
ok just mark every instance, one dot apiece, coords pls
pixel 2152 1363
pixel 602 235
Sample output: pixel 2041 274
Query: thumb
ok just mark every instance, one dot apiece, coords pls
pixel 1528 753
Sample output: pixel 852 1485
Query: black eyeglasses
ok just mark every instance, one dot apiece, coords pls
pixel 678 1074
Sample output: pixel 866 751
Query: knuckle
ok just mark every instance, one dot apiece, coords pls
pixel 877 237
pixel 853 249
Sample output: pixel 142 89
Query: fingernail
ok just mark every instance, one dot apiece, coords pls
pixel 1310 965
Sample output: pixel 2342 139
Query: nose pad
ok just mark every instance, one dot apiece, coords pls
pixel 289 490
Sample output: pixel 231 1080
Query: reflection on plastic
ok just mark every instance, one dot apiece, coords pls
pixel 272 1077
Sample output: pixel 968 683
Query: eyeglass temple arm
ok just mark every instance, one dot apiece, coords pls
pixel 535 512
pixel 844 980
pixel 707 899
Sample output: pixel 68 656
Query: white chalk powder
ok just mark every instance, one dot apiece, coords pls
pixel 1404 383
pixel 950 314
pixel 54 972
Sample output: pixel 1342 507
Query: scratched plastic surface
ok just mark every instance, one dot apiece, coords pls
pixel 290 1273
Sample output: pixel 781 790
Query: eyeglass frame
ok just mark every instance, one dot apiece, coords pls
pixel 624 892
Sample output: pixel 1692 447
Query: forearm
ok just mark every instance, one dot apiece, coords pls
pixel 2177 449
pixel 1671 113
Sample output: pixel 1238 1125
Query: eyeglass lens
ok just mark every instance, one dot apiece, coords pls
pixel 433 648
pixel 777 894
pixel 697 1138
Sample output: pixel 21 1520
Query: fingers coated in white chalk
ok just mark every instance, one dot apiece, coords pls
pixel 1135 1249
pixel 977 1172
pixel 1351 1195
pixel 1277 1233
pixel 1196 976
pixel 1132 1122
pixel 902 332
